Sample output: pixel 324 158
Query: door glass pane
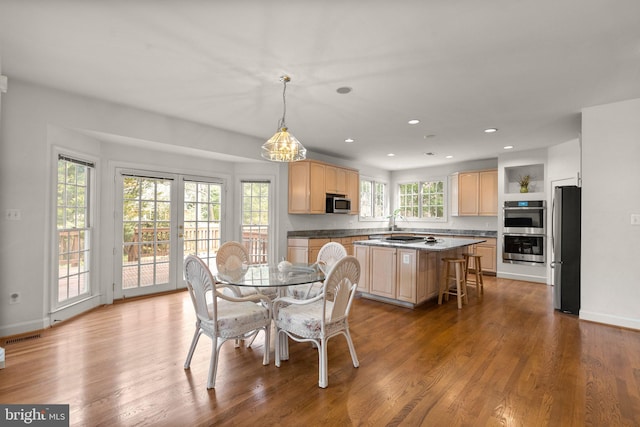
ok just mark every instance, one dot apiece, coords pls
pixel 146 230
pixel 201 226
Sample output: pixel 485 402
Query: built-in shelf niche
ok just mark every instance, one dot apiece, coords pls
pixel 514 173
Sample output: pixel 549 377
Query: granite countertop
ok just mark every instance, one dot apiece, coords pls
pixel 381 231
pixel 442 244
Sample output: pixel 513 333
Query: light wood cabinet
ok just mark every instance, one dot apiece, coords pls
pixel 488 193
pixel 335 180
pixel 310 181
pixel 362 255
pixel 407 274
pixel 353 190
pixel 488 251
pixel 306 188
pixel 468 193
pixel 303 250
pixel 382 270
pixel 474 193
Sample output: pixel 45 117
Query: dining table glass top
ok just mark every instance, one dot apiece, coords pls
pixel 266 275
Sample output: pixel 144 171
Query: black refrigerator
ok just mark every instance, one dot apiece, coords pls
pixel 565 235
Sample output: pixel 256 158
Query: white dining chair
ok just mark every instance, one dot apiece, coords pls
pixel 328 255
pixel 321 318
pixel 222 317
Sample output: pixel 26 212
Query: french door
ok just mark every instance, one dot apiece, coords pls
pixel 162 218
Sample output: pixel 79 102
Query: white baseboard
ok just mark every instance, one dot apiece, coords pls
pixel 609 319
pixel 525 277
pixel 24 327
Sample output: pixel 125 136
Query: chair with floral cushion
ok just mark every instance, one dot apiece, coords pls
pixel 328 255
pixel 318 319
pixel 222 317
pixel 232 256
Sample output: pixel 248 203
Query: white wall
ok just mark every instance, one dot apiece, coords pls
pixel 35 120
pixel 443 171
pixel 610 194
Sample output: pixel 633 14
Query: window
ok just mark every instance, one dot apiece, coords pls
pixel 255 219
pixel 373 199
pixel 73 229
pixel 423 200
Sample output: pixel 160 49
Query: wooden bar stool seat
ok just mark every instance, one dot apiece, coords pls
pixel 475 278
pixel 453 269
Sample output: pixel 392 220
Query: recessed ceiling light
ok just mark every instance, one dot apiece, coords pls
pixel 349 140
pixel 343 90
pixel 508 147
pixel 491 130
pixel 449 157
pixel 413 121
pixel 390 155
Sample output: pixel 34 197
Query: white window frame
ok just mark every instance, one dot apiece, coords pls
pixel 93 290
pixel 421 183
pixel 385 210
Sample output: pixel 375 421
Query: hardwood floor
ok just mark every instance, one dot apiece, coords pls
pixel 507 359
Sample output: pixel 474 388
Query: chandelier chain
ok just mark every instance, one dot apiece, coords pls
pixel 282 123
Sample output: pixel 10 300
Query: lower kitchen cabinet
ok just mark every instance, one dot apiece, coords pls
pixel 362 255
pixel 304 250
pixel 405 275
pixel 488 251
pixel 382 262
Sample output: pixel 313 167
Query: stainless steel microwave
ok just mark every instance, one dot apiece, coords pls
pixel 338 204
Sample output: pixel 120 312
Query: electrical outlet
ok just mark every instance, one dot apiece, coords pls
pixel 13 215
pixel 14 298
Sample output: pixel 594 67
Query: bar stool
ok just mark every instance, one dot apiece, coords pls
pixel 453 270
pixel 477 280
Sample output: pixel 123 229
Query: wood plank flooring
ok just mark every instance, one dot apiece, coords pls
pixel 504 360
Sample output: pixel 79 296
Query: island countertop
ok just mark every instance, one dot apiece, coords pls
pixel 441 244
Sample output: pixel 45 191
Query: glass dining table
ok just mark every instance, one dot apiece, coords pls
pixel 263 276
pixel 270 276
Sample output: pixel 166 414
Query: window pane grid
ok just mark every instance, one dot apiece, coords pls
pixel 424 200
pixel 146 231
pixel 373 199
pixel 201 233
pixel 255 220
pixel 73 230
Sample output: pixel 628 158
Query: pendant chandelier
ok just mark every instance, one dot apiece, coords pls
pixel 283 146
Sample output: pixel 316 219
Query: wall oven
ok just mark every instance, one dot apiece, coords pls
pixel 523 238
pixel 523 248
pixel 524 217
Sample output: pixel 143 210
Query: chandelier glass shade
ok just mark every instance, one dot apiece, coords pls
pixel 283 146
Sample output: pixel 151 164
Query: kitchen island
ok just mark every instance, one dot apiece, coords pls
pixel 405 272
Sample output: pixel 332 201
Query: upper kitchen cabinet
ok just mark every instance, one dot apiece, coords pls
pixel 310 181
pixel 474 193
pixel 306 188
pixel 335 180
pixel 353 190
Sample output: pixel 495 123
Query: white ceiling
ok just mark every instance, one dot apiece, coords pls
pixel 525 67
